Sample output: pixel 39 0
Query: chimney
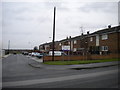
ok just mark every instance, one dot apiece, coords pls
pixel 109 26
pixel 69 36
pixel 66 37
pixel 88 32
pixel 82 34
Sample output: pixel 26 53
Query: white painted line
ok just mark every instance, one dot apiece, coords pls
pixel 50 80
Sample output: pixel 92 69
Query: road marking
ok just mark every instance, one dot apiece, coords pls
pixel 49 80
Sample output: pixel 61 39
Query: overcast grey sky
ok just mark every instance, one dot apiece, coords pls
pixel 29 24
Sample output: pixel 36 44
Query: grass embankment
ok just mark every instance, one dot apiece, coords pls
pixel 78 62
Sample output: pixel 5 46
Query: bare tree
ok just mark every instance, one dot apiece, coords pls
pixel 35 48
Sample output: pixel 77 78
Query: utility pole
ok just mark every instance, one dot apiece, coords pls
pixel 53 35
pixel 8 46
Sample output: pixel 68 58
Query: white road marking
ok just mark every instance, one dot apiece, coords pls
pixel 49 80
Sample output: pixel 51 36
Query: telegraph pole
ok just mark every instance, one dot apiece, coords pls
pixel 8 46
pixel 53 35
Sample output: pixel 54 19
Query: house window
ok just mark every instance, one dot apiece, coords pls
pixel 104 37
pixel 75 41
pixel 104 48
pixel 69 43
pixel 60 44
pixel 75 49
pixel 97 40
pixel 91 39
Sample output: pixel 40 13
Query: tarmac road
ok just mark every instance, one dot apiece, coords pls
pixel 17 73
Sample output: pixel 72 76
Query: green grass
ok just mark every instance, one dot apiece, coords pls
pixel 78 62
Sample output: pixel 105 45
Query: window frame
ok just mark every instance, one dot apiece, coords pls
pixel 75 49
pixel 75 41
pixel 91 39
pixel 104 48
pixel 104 36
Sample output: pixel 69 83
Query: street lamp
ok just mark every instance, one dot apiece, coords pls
pixel 8 46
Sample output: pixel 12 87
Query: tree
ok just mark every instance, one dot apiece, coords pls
pixel 35 48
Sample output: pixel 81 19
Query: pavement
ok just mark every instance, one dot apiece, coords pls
pixel 38 64
pixel 5 56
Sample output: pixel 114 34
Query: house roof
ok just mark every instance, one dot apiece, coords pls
pixel 107 30
pixel 103 31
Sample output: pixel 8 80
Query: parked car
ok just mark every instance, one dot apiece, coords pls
pixel 14 53
pixel 25 53
pixel 39 55
pixel 30 54
pixel 33 54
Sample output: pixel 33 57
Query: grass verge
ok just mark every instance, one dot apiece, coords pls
pixel 78 62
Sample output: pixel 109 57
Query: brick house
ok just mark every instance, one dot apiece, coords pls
pixel 101 42
pixel 45 47
pixel 104 41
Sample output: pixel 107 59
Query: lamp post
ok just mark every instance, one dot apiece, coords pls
pixel 8 46
pixel 30 46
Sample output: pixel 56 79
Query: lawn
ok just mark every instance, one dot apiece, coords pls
pixel 78 62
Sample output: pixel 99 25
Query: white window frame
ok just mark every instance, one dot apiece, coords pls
pixel 91 39
pixel 69 42
pixel 60 44
pixel 97 40
pixel 75 41
pixel 75 49
pixel 104 48
pixel 104 37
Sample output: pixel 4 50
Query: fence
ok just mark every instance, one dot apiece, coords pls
pixel 85 57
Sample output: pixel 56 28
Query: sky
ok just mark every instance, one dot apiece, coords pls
pixel 28 24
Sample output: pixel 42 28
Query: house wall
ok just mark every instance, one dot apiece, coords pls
pixel 92 43
pixel 111 42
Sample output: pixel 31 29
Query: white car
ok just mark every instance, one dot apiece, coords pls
pixel 33 54
pixel 39 55
pixel 30 54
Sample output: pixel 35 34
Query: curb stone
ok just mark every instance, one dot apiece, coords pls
pixel 5 56
pixel 78 68
pixel 34 65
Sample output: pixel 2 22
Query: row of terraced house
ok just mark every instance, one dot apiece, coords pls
pixel 97 45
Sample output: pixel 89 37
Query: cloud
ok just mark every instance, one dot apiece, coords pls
pixel 99 7
pixel 25 22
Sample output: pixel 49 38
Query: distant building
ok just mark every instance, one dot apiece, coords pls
pixel 11 51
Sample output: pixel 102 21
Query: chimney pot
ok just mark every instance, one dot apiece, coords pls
pixel 109 26
pixel 87 32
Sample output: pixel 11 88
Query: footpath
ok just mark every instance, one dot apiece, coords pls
pixel 4 56
pixel 38 64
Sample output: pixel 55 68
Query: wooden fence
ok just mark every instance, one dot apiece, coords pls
pixel 77 57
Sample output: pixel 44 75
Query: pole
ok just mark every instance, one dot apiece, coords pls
pixel 8 46
pixel 53 35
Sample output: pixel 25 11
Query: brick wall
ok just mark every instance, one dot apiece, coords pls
pixel 89 57
pixel 111 42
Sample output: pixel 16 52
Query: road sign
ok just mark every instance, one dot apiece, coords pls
pixel 66 48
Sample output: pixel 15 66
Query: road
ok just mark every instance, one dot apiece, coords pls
pixel 18 74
